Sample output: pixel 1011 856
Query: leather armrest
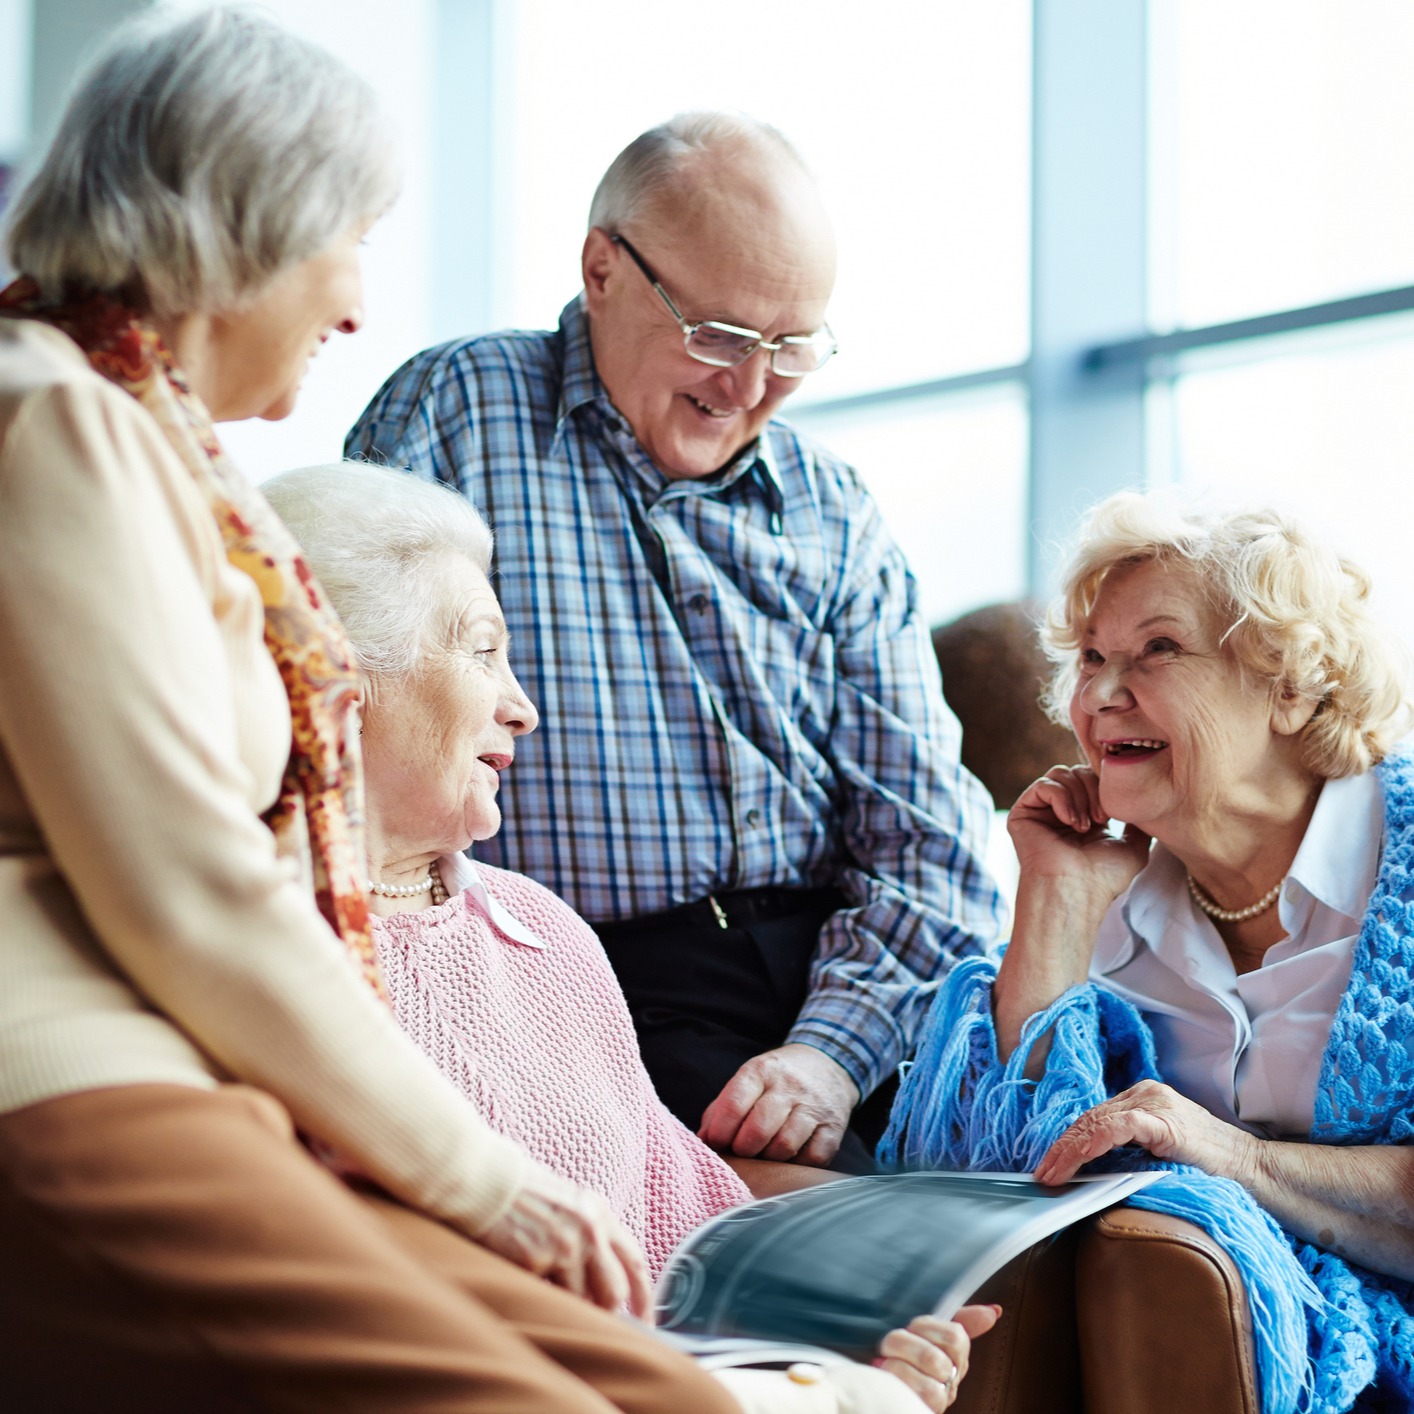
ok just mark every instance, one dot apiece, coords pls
pixel 1131 1311
pixel 1028 1363
pixel 1163 1319
pixel 768 1179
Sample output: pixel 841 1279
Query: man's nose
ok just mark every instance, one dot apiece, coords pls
pixel 746 383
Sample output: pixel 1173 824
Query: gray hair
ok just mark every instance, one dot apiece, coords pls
pixel 640 174
pixel 199 156
pixel 375 538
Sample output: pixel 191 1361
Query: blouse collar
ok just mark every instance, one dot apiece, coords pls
pixel 460 876
pixel 1336 864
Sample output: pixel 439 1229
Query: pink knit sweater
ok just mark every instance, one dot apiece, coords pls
pixel 540 1041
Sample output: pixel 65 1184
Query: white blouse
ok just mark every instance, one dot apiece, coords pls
pixel 1249 1048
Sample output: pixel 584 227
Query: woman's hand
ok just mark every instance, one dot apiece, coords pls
pixel 568 1236
pixel 1059 829
pixel 1072 870
pixel 930 1355
pixel 1157 1118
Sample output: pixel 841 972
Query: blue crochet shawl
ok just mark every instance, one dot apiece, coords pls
pixel 1330 1336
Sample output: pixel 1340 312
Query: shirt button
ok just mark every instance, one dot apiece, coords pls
pixel 753 819
pixel 698 604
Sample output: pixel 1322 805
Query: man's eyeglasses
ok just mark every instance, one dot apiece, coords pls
pixel 726 346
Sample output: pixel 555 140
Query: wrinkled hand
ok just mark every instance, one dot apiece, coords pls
pixel 1157 1118
pixel 790 1103
pixel 1058 828
pixel 568 1236
pixel 930 1355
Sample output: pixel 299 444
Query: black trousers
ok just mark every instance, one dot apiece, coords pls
pixel 706 998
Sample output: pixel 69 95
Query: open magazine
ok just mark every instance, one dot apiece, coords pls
pixel 840 1265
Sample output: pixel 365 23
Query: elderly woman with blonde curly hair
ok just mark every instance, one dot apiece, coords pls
pixel 1225 984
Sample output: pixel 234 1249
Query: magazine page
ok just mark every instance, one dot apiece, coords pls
pixel 725 1352
pixel 841 1264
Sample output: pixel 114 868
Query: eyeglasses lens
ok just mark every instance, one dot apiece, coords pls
pixel 724 347
pixel 794 360
pixel 715 344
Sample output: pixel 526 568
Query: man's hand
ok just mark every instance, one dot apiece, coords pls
pixel 568 1236
pixel 792 1103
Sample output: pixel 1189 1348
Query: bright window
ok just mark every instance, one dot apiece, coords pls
pixel 1324 427
pixel 917 127
pixel 1282 175
pixel 1283 154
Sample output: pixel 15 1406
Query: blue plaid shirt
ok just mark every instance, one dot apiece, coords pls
pixel 734 685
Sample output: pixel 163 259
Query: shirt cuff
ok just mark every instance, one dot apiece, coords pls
pixel 868 1044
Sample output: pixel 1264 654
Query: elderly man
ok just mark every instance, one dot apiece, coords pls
pixel 746 774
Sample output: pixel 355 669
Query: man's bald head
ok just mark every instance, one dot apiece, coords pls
pixel 728 218
pixel 682 151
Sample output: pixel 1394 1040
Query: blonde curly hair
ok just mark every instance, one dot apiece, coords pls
pixel 1297 617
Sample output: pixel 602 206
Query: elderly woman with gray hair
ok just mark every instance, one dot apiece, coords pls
pixel 190 986
pixel 500 981
pixel 1226 984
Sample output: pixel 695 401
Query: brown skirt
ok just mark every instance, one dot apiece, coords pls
pixel 169 1250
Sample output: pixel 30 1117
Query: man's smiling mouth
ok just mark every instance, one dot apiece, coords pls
pixel 708 408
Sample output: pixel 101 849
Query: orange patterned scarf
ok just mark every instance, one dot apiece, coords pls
pixel 318 818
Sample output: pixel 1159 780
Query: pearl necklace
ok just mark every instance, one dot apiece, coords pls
pixel 433 881
pixel 1233 915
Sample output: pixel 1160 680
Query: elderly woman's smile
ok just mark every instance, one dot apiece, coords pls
pixel 1124 749
pixel 1166 716
pixel 1225 982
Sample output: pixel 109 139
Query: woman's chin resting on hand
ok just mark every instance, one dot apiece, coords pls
pixel 1211 909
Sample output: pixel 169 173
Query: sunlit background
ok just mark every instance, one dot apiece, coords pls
pixel 1049 216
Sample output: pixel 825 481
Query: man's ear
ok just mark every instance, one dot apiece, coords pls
pixel 599 265
pixel 1291 711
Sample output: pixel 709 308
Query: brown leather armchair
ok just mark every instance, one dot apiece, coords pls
pixel 993 669
pixel 1128 1313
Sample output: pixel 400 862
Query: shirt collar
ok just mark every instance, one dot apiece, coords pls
pixel 1145 909
pixel 580 385
pixel 1339 856
pixel 1337 863
pixel 460 876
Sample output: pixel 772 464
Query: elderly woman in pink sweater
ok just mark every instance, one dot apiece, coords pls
pixel 498 979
